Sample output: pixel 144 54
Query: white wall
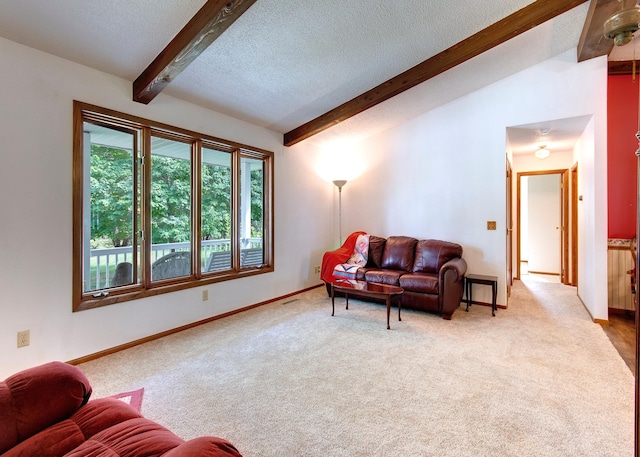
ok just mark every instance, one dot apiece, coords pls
pixel 442 174
pixel 37 91
pixel 592 220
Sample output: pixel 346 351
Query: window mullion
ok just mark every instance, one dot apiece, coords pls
pixel 145 207
pixel 235 209
pixel 136 206
pixel 196 213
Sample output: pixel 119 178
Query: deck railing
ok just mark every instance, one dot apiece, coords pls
pixel 103 261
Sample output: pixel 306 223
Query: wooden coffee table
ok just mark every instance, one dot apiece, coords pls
pixel 365 289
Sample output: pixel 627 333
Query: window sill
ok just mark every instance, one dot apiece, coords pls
pixel 128 293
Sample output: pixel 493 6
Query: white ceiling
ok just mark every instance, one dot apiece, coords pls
pixel 285 62
pixel 558 135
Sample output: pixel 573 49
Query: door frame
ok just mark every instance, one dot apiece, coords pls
pixel 564 203
pixel 573 222
pixel 564 243
pixel 509 234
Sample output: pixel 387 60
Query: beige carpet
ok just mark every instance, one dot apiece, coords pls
pixel 287 379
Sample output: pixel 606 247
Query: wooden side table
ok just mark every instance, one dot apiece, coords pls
pixel 492 281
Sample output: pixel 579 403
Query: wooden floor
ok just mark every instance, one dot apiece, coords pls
pixel 622 333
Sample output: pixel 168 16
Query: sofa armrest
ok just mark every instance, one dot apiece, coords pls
pixel 459 267
pixel 38 397
pixel 451 278
pixel 204 446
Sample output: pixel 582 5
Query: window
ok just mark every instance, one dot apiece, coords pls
pixel 159 209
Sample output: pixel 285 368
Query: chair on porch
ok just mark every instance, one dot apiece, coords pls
pixel 218 260
pixel 172 265
pixel 123 274
pixel 251 257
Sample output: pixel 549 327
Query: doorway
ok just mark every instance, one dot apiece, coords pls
pixel 542 227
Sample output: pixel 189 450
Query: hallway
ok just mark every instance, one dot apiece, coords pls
pixel 621 329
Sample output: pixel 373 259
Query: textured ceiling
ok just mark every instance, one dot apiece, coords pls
pixel 285 62
pixel 558 135
pixel 120 37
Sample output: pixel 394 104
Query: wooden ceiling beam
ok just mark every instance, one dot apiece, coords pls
pixel 592 41
pixel 513 25
pixel 623 67
pixel 203 29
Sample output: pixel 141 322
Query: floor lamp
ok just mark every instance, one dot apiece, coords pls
pixel 339 183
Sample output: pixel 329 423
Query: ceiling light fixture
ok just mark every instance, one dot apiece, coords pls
pixel 542 152
pixel 621 26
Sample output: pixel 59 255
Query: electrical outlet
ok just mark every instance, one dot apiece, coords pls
pixel 491 225
pixel 205 295
pixel 23 338
pixel 317 269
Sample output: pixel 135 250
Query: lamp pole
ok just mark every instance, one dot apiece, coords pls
pixel 339 183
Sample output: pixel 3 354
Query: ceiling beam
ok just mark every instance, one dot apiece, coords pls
pixel 203 29
pixel 592 41
pixel 519 22
pixel 623 67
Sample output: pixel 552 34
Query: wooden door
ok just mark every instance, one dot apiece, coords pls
pixel 509 220
pixel 564 222
pixel 574 225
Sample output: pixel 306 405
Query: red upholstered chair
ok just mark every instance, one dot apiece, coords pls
pixel 45 412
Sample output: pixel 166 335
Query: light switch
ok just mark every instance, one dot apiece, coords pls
pixel 491 225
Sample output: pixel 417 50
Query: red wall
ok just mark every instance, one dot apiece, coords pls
pixel 622 119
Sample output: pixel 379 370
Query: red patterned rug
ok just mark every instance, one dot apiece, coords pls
pixel 133 398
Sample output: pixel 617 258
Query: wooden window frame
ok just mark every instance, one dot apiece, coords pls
pixel 146 287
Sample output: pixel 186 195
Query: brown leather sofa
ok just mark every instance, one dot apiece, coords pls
pixel 431 272
pixel 45 411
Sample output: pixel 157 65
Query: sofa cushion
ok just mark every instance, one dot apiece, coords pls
pixel 54 441
pixel 100 414
pixel 133 437
pixel 390 277
pixel 36 398
pixel 398 253
pixel 430 255
pixel 376 248
pixel 420 282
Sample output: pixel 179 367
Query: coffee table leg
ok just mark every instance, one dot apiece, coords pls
pixel 388 311
pixel 399 307
pixel 333 307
